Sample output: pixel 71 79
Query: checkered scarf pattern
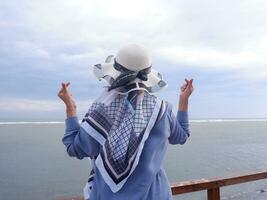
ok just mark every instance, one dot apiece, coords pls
pixel 122 122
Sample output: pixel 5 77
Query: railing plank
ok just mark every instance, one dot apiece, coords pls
pixel 205 184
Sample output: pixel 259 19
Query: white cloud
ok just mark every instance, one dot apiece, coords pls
pixel 206 33
pixel 86 56
pixel 210 58
pixel 30 105
pixel 247 65
pixel 22 48
pixel 8 104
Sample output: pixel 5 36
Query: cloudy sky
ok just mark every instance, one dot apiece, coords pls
pixel 221 44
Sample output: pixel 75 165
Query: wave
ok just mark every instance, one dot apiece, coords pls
pixel 227 120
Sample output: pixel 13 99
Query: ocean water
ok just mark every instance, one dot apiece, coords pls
pixel 34 164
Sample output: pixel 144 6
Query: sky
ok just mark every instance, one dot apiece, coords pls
pixel 222 45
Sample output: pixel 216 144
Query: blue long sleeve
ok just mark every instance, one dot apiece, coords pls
pixel 154 185
pixel 78 142
pixel 179 127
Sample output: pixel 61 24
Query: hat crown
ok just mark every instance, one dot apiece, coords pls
pixel 134 57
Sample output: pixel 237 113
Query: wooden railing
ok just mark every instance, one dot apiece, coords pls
pixel 212 185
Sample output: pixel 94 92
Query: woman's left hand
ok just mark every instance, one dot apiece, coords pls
pixel 186 89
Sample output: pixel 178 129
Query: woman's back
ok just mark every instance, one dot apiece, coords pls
pixel 126 132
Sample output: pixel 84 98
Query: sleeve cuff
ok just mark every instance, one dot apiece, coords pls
pixel 72 123
pixel 182 116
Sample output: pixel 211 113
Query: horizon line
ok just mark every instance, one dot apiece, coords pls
pixel 190 120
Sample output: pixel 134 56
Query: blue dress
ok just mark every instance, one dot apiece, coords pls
pixel 148 181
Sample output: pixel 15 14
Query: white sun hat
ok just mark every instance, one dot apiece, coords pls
pixel 132 64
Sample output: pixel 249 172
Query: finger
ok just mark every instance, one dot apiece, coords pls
pixel 183 86
pixel 191 81
pixel 64 86
pixel 189 86
pixel 68 83
pixel 60 90
pixel 60 95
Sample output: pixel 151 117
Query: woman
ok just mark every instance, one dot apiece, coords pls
pixel 127 128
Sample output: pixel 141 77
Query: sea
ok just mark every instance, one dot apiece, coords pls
pixel 34 164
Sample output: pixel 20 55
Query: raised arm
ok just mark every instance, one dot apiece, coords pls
pixel 77 140
pixel 179 124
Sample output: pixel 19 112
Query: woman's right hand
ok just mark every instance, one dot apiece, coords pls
pixel 185 92
pixel 65 95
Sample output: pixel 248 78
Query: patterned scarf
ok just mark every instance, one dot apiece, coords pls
pixel 121 123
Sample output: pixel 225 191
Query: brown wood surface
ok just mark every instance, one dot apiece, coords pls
pixel 213 194
pixel 205 184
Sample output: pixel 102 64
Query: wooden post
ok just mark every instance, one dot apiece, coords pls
pixel 214 194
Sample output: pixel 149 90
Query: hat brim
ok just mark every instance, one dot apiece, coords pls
pixel 106 71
